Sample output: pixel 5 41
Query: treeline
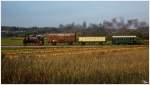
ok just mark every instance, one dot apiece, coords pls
pixel 107 28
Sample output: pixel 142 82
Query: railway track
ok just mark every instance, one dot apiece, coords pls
pixel 44 46
pixel 71 46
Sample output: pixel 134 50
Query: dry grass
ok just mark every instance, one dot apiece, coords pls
pixel 75 65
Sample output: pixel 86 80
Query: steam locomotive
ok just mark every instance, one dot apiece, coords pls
pixel 33 40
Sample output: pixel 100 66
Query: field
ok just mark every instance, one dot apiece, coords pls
pixel 86 65
pixel 11 41
pixel 14 41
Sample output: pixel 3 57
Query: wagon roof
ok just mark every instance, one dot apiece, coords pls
pixel 93 36
pixel 125 36
pixel 62 34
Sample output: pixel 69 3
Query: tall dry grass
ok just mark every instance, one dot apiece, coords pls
pixel 111 65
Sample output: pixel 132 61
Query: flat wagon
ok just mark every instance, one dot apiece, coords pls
pixel 91 39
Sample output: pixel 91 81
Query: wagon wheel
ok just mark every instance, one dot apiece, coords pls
pixel 70 43
pixel 54 43
pixel 82 43
pixel 42 42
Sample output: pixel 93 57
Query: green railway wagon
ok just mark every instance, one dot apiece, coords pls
pixel 130 40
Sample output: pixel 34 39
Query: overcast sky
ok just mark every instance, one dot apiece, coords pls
pixel 50 13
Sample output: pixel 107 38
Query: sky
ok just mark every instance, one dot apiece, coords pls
pixel 53 13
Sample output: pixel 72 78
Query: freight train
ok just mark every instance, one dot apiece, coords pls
pixel 72 38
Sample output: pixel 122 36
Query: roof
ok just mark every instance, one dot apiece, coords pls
pixel 123 36
pixel 61 34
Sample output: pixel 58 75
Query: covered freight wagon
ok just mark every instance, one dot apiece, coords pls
pixel 124 39
pixel 88 39
pixel 61 38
